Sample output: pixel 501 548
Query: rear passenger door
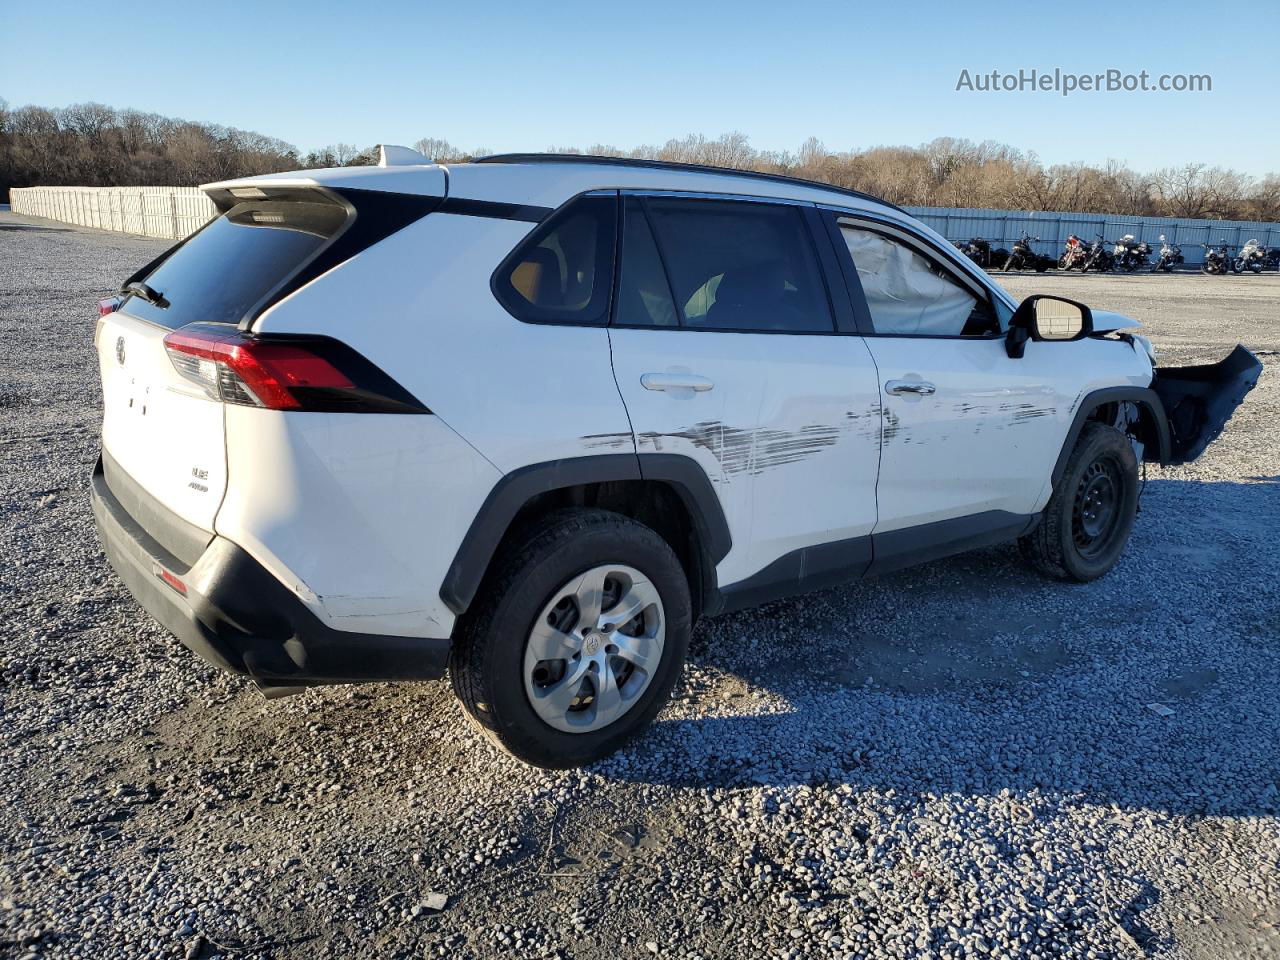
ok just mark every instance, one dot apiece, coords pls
pixel 726 350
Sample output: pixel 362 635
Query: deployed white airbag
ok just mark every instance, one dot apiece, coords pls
pixel 904 292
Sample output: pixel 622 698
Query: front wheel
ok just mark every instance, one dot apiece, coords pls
pixel 1087 522
pixel 575 639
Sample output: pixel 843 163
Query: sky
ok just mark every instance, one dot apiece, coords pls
pixel 526 76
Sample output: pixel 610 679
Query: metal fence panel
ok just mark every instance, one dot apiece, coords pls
pixel 1003 227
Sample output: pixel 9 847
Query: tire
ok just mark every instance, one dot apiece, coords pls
pixel 489 666
pixel 1068 544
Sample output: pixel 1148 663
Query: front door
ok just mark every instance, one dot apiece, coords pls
pixel 968 431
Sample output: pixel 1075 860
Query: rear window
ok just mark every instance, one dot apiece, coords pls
pixel 227 268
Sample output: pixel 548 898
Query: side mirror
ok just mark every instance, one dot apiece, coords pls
pixel 1047 318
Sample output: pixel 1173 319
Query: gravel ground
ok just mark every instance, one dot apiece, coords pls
pixel 954 761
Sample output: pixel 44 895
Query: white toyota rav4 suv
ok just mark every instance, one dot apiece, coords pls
pixel 526 420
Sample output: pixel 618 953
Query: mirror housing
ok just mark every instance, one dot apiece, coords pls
pixel 1047 318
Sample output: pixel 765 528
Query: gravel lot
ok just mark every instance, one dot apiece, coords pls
pixel 955 761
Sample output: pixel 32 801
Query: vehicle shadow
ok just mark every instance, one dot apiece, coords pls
pixel 32 227
pixel 975 675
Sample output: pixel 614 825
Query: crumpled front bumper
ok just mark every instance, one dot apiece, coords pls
pixel 1199 400
pixel 230 610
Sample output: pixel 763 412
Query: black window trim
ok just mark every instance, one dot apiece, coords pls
pixel 537 230
pixel 809 215
pixel 934 254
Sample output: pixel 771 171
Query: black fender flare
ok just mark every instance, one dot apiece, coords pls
pixel 1144 397
pixel 510 494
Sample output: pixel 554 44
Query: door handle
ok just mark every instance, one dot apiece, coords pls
pixel 921 388
pixel 675 381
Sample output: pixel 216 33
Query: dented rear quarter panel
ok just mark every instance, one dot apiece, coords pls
pixel 391 495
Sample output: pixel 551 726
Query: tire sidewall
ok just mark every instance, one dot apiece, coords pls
pixel 1098 442
pixel 506 633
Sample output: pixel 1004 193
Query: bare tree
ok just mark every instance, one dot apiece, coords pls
pixel 95 145
pixel 89 143
pixel 437 150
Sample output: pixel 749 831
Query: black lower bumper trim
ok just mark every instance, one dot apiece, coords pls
pixel 238 616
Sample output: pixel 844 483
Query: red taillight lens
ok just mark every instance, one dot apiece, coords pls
pixel 109 305
pixel 286 374
pixel 172 580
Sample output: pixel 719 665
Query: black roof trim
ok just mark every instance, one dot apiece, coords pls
pixel 688 167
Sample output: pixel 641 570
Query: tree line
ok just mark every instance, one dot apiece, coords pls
pixel 89 144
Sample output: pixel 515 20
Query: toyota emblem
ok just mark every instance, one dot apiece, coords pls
pixel 120 350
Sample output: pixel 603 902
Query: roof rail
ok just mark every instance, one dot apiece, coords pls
pixel 674 165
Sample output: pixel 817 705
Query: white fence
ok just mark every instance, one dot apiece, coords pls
pixel 168 212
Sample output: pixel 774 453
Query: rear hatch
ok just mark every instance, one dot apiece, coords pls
pixel 1199 400
pixel 164 449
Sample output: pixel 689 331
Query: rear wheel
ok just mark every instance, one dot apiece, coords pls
pixel 1087 522
pixel 575 639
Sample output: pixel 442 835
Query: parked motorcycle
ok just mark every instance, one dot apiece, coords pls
pixel 1170 256
pixel 1252 257
pixel 1273 258
pixel 977 250
pixel 1098 258
pixel 1022 257
pixel 1074 253
pixel 1130 254
pixel 1216 259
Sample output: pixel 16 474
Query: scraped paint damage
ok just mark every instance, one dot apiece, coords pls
pixel 750 452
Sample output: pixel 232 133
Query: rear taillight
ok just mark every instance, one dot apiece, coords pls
pixel 109 305
pixel 294 373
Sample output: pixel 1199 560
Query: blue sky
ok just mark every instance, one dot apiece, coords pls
pixel 525 76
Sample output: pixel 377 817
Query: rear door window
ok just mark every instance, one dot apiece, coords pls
pixel 644 296
pixel 740 265
pixel 231 265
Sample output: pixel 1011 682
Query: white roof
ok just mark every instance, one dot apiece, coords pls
pixel 549 184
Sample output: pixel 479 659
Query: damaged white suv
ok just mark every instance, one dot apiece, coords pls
pixel 526 420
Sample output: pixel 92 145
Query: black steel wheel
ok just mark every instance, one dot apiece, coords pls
pixel 1084 528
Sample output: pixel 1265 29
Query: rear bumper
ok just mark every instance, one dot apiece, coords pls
pixel 236 615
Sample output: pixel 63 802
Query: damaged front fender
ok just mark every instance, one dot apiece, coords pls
pixel 1199 400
